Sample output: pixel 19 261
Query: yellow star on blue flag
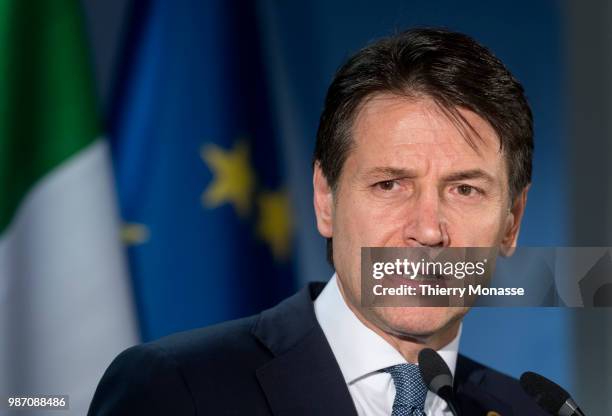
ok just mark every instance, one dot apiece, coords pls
pixel 234 178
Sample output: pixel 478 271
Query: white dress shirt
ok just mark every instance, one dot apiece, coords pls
pixel 361 353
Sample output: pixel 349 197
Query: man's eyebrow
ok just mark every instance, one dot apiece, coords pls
pixel 388 171
pixel 469 174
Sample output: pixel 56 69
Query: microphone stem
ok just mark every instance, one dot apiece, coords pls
pixel 452 408
pixel 570 408
pixel 447 394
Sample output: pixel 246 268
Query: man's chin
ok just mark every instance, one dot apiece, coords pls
pixel 419 323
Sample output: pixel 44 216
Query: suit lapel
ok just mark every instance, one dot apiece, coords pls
pixel 473 393
pixel 303 378
pixel 474 400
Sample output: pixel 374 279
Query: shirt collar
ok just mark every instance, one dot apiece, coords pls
pixel 359 350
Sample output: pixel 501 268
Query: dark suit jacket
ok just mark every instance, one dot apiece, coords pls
pixel 275 363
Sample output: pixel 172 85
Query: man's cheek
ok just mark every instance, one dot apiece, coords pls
pixel 482 232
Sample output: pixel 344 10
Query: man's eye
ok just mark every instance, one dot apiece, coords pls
pixel 466 190
pixel 386 185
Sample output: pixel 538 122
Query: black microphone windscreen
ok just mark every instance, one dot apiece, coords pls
pixel 432 366
pixel 549 395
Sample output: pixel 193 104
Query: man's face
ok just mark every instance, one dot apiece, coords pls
pixel 412 180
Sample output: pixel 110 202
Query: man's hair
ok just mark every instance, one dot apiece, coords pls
pixel 450 68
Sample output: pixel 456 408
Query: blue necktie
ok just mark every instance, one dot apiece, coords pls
pixel 410 390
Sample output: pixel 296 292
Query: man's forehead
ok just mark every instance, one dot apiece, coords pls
pixel 387 120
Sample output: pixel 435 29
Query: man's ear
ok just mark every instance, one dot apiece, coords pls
pixel 323 202
pixel 513 223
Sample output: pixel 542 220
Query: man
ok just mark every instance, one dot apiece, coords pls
pixel 425 140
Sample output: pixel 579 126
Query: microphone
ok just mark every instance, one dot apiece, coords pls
pixel 549 395
pixel 437 377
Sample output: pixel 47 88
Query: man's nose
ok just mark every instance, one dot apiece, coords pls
pixel 425 225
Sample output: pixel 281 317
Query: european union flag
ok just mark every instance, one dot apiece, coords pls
pixel 197 167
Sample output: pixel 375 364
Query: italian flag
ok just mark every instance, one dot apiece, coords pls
pixel 65 300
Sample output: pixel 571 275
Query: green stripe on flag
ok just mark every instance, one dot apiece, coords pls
pixel 47 102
